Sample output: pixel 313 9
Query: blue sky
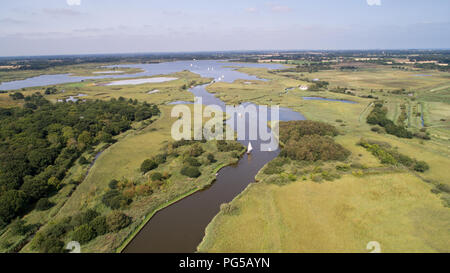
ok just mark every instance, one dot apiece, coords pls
pixel 30 27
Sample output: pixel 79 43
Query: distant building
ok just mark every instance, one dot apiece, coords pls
pixel 303 87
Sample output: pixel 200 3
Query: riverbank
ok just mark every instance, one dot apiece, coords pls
pixel 165 205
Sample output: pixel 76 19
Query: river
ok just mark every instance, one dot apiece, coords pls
pixel 180 227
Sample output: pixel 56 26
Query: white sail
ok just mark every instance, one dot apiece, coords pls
pixel 250 148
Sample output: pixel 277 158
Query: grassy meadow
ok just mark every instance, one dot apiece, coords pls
pixel 404 211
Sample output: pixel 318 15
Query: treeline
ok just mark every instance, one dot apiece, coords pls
pixel 41 141
pixel 389 156
pixel 310 141
pixel 378 117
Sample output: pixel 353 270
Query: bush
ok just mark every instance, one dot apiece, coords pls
pixel 211 158
pixel 18 227
pixel 115 200
pixel 421 166
pixel 196 150
pixel 228 146
pixel 156 176
pixel 48 244
pixel 229 209
pixel 117 221
pixel 43 204
pixel 99 225
pixel 148 165
pixel 113 184
pixel 193 161
pixel 83 160
pixel 83 234
pixel 84 217
pixel 190 171
pixel 160 159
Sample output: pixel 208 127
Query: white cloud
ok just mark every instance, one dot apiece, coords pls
pixel 73 2
pixel 374 2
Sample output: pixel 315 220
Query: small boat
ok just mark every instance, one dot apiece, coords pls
pixel 250 148
pixel 240 115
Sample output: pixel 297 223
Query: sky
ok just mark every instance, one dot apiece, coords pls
pixel 52 27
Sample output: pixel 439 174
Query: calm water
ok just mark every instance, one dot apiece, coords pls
pixel 206 68
pixel 181 226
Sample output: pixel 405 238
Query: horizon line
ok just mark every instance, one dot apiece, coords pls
pixel 220 51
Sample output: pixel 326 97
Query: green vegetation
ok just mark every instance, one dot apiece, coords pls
pixel 339 206
pixel 389 156
pixel 310 141
pixel 41 141
pixel 378 117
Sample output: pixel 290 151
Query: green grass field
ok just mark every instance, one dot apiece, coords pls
pixel 390 205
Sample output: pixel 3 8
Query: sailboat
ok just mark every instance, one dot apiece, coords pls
pixel 250 148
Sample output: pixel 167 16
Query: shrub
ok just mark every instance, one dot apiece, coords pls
pixel 229 209
pixel 316 178
pixel 277 180
pixel 46 244
pixel 190 171
pixel 228 146
pixel 196 150
pixel 143 189
pixel 211 158
pixel 117 221
pixel 18 227
pixel 443 187
pixel 148 165
pixel 113 184
pixel 84 217
pixel 343 168
pixel 83 160
pixel 160 159
pixel 99 225
pixel 83 234
pixel 156 176
pixel 421 166
pixel 43 204
pixel 192 161
pixel 115 200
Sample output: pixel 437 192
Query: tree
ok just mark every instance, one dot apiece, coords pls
pixel 156 176
pixel 115 200
pixel 196 150
pixel 211 158
pixel 83 234
pixel 18 227
pixel 43 204
pixel 148 165
pixel 12 203
pixel 99 225
pixel 190 171
pixel 421 166
pixel 117 221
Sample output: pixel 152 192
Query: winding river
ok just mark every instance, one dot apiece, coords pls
pixel 180 227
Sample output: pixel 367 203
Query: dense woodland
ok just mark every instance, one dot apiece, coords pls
pixel 310 141
pixel 41 141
